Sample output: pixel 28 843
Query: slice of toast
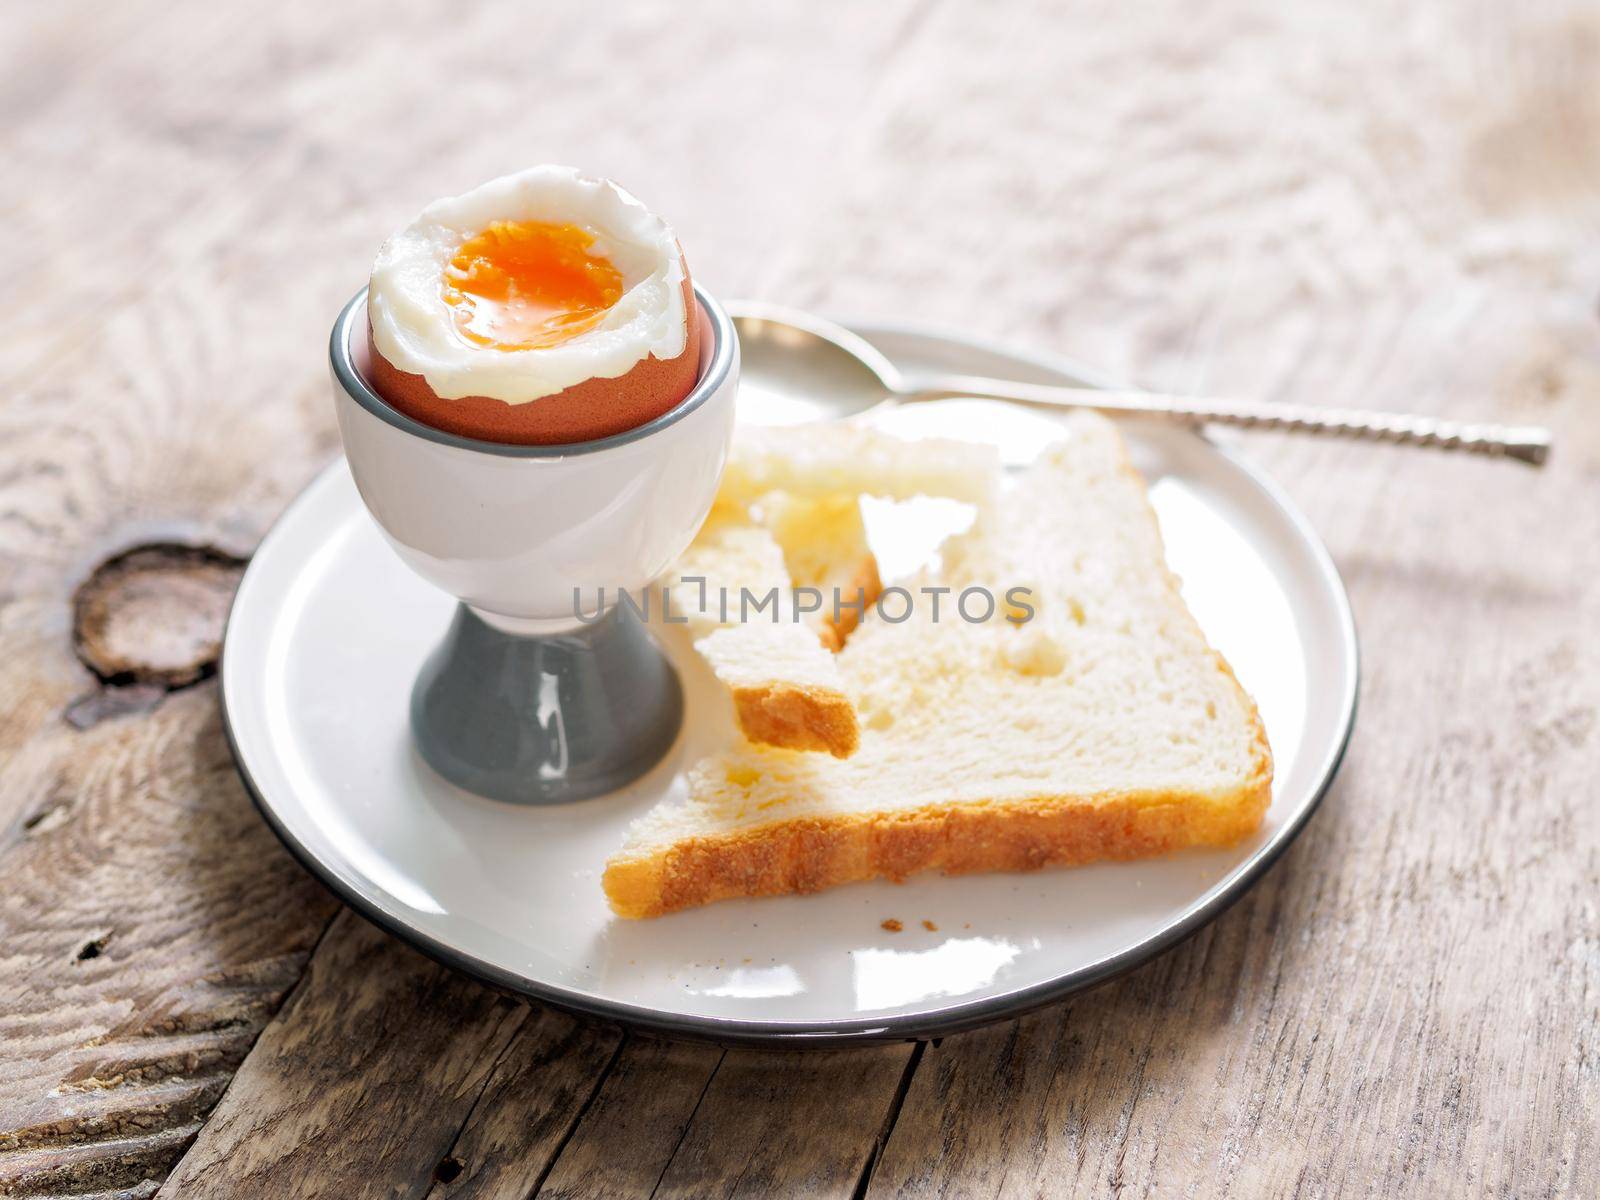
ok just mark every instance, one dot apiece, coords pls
pixel 1103 728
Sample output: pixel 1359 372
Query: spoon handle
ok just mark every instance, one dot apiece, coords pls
pixel 1526 443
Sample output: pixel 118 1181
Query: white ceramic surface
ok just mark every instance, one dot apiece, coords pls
pixel 516 534
pixel 329 628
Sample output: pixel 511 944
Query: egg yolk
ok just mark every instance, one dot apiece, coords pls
pixel 528 285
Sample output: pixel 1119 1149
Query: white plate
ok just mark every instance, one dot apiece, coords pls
pixel 328 630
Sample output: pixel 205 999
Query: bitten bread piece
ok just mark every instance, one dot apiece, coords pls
pixel 785 683
pixel 776 661
pixel 1103 728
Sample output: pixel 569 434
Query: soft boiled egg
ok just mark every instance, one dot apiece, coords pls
pixel 544 307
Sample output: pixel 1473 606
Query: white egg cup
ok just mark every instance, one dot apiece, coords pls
pixel 531 697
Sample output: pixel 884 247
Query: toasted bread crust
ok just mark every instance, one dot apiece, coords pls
pixel 797 717
pixel 812 853
pixel 808 853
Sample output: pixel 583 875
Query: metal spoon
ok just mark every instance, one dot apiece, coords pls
pixel 812 366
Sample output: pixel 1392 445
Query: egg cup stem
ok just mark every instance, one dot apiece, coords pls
pixel 546 719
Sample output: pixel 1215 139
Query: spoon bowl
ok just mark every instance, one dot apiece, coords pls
pixel 804 368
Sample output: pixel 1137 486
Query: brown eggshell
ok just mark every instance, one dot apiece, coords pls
pixel 595 408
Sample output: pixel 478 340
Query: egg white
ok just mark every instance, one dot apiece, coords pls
pixel 413 328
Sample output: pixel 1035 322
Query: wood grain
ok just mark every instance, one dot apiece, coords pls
pixel 380 1060
pixel 140 957
pixel 631 1132
pixel 1346 205
pixel 787 1124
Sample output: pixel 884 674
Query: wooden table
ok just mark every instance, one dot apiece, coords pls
pixel 1343 204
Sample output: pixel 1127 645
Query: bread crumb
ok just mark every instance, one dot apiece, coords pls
pixel 892 925
pixel 929 925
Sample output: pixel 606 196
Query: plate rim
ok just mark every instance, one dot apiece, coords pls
pixel 857 1031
